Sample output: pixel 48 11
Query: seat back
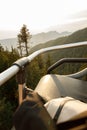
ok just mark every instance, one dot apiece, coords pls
pixel 54 86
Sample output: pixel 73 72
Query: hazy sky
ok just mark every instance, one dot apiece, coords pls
pixel 39 14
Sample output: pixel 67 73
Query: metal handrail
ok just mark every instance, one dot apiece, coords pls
pixel 79 74
pixel 14 69
pixel 66 60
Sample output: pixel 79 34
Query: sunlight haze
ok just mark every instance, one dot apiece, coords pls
pixel 39 15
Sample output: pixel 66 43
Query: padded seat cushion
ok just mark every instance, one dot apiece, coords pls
pixel 55 86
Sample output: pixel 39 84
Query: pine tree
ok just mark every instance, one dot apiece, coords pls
pixel 1 48
pixel 23 40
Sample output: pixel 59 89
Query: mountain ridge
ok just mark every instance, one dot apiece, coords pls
pixel 78 36
pixel 36 39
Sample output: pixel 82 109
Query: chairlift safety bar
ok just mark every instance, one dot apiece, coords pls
pixel 21 63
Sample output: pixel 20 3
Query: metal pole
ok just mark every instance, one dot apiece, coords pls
pixel 7 74
pixel 66 60
pixel 59 47
pixel 20 78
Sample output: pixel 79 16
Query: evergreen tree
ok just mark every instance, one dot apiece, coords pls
pixel 1 48
pixel 48 62
pixel 23 39
pixel 20 46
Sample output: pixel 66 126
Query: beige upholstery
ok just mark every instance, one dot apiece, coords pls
pixel 70 109
pixel 54 86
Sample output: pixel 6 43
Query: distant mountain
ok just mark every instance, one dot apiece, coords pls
pixel 44 37
pixel 36 39
pixel 8 43
pixel 54 56
pixel 78 36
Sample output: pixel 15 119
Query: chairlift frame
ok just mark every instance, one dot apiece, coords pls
pixel 18 67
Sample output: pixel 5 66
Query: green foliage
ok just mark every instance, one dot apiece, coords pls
pixel 8 91
pixel 1 48
pixel 77 36
pixel 23 39
pixel 6 112
pixel 4 61
pixel 7 58
pixel 35 71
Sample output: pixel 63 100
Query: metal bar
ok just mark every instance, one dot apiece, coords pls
pixel 13 70
pixel 59 47
pixel 20 91
pixel 66 60
pixel 20 78
pixel 6 75
pixel 78 74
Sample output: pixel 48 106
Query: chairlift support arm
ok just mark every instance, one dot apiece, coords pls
pixel 14 69
pixel 66 60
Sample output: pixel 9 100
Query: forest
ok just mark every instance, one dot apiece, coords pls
pixel 35 70
pixel 9 91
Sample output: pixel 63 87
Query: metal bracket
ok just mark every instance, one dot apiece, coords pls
pixel 20 78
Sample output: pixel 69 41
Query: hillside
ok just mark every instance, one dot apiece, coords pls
pixel 78 36
pixel 44 37
pixel 8 43
pixel 36 39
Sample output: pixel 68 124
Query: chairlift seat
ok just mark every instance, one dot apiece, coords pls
pixel 54 86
